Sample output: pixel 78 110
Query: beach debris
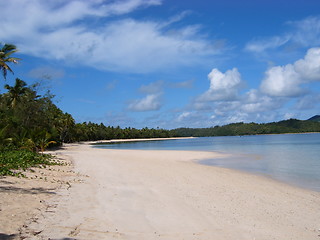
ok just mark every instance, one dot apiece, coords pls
pixel 75 231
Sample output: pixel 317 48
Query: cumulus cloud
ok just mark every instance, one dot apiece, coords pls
pixel 309 67
pixel 256 102
pixel 224 103
pixel 151 102
pixel 223 86
pixel 286 81
pixel 68 31
pixel 282 81
pixel 284 92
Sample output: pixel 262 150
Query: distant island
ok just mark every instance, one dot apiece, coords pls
pixel 235 129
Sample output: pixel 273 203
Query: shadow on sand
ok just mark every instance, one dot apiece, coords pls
pixel 6 236
pixel 26 191
pixel 15 236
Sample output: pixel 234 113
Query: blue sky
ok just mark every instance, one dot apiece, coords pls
pixel 170 63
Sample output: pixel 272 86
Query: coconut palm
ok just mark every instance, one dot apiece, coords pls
pixel 43 140
pixel 6 51
pixel 15 92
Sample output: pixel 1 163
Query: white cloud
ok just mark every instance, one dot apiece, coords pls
pixel 303 33
pixel 68 31
pixel 307 31
pixel 309 67
pixel 286 81
pixel 149 103
pixel 122 7
pixel 268 43
pixel 37 14
pixel 223 103
pixel 282 93
pixel 282 81
pixel 223 86
pixel 183 116
pixel 256 102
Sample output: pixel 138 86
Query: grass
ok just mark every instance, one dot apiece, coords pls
pixel 14 162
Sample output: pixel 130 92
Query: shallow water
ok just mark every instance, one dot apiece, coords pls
pixel 291 158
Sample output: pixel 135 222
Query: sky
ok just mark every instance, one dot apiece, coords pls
pixel 169 63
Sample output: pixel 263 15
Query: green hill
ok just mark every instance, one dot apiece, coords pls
pixel 315 118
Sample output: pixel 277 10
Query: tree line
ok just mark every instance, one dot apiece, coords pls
pixel 238 129
pixel 32 121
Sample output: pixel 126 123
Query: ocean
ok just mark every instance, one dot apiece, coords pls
pixel 290 158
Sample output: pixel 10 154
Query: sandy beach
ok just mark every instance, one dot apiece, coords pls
pixel 137 194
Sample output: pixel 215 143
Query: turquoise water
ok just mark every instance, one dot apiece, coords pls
pixel 291 158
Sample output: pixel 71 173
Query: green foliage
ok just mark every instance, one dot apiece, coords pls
pixel 31 121
pixel 13 161
pixel 235 129
pixel 93 132
pixel 6 50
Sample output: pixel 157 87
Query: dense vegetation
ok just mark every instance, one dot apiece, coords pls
pixel 234 129
pixel 13 161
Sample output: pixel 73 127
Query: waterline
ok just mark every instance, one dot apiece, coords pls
pixel 291 158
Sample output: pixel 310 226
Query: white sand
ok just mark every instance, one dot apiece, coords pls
pixel 135 194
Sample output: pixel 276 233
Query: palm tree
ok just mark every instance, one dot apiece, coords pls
pixel 65 125
pixel 5 57
pixel 42 140
pixel 16 91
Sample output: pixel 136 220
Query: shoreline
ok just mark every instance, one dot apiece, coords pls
pixel 136 140
pixel 149 194
pixel 295 182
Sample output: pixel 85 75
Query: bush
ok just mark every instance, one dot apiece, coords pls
pixel 13 161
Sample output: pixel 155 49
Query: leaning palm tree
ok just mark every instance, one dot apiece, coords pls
pixel 6 51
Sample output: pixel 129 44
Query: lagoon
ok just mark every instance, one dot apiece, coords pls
pixel 290 158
